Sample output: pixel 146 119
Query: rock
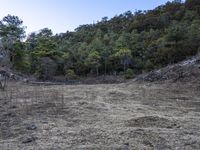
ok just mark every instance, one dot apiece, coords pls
pixel 9 114
pixel 13 107
pixel 26 80
pixel 31 127
pixel 125 146
pixel 187 70
pixel 28 139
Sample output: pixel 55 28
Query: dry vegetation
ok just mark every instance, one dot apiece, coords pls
pixel 117 116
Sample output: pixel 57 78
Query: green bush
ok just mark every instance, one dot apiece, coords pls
pixel 70 74
pixel 149 65
pixel 129 73
pixel 24 66
pixel 46 68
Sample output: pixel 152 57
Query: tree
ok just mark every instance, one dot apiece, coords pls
pixel 124 55
pixel 12 26
pixel 31 41
pixel 21 62
pixel 46 68
pixel 40 46
pixel 123 40
pixel 45 32
pixel 93 61
pixel 11 32
pixel 176 33
pixel 193 5
pixel 96 44
pixel 193 37
pixel 143 40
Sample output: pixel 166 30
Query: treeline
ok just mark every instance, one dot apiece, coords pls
pixel 127 43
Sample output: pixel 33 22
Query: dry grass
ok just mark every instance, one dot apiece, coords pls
pixel 117 116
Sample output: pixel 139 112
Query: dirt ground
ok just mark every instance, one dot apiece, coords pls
pixel 128 116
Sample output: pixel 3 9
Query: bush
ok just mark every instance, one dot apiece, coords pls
pixel 148 65
pixel 46 68
pixel 23 66
pixel 129 74
pixel 70 74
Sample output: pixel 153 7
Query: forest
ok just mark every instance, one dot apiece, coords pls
pixel 127 44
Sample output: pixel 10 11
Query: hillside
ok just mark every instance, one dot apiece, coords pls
pixel 133 42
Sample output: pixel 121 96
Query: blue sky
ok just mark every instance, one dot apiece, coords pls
pixel 63 15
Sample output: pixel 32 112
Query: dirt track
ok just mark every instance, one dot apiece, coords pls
pixel 119 116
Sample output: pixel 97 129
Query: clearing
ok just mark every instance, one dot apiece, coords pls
pixel 125 116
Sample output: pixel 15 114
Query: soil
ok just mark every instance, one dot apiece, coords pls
pixel 127 116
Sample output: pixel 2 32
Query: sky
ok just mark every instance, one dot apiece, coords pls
pixel 66 15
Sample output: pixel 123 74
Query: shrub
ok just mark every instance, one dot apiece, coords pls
pixel 23 66
pixel 70 74
pixel 46 68
pixel 129 74
pixel 149 65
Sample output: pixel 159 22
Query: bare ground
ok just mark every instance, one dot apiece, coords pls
pixel 124 116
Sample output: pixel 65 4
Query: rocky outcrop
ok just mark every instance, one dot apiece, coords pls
pixel 188 70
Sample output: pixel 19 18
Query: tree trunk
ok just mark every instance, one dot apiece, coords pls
pixel 105 68
pixel 97 69
pixel 176 44
pixel 124 67
pixel 3 82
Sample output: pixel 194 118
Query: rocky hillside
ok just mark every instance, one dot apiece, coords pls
pixel 187 70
